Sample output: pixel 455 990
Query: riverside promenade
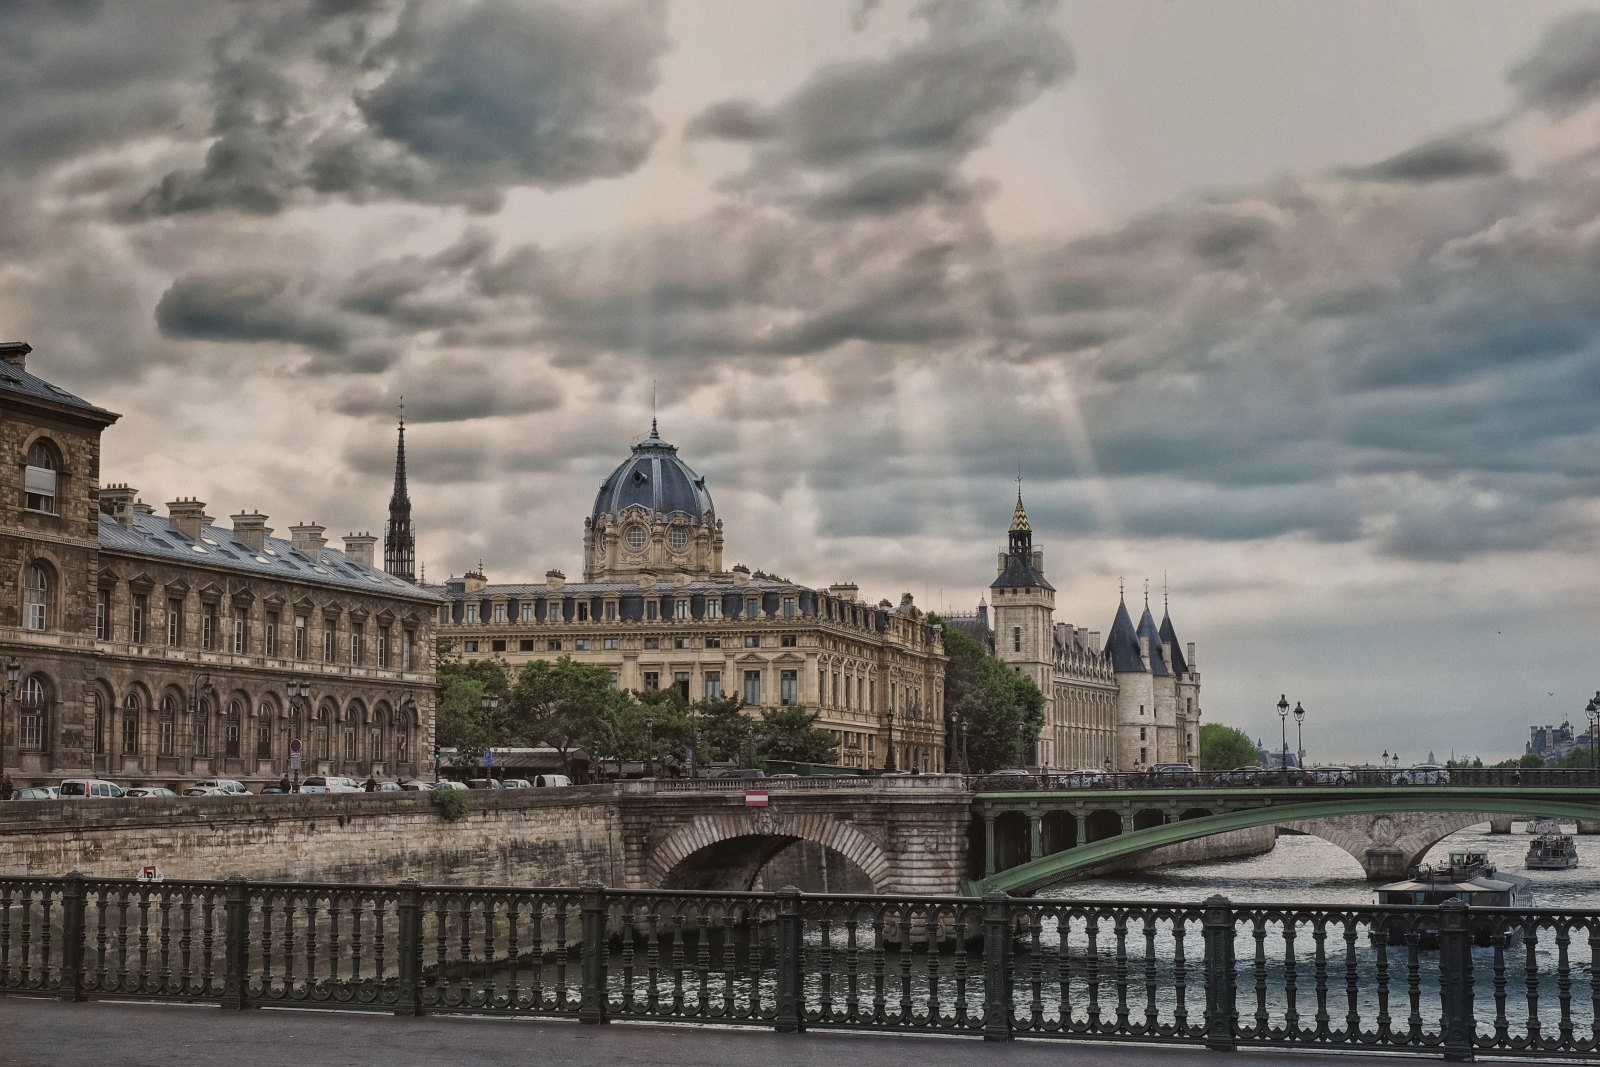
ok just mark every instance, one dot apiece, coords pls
pixel 47 1033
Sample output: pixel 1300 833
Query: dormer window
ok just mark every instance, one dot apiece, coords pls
pixel 39 478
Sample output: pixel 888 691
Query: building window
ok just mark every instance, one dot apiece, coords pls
pixel 130 725
pixel 140 607
pixel 788 607
pixel 652 680
pixel 610 644
pixel 202 729
pixel 713 607
pixel 678 538
pixel 1142 734
pixel 636 537
pixel 102 615
pixel 383 648
pixel 408 648
pixel 271 634
pixel 752 640
pixel 1142 756
pixel 652 610
pixel 356 633
pixel 167 727
pixel 752 608
pixel 301 626
pixel 472 614
pixel 36 598
pixel 30 722
pixel 1016 639
pixel 552 646
pixel 652 642
pixel 97 724
pixel 713 641
pixel 681 642
pixel 583 611
pixel 611 611
pixel 230 730
pixel 525 613
pixel 328 639
pixel 525 645
pixel 499 613
pixel 713 685
pixel 580 644
pixel 241 631
pixel 497 646
pixel 469 646
pixel 680 682
pixel 349 744
pixel 680 608
pixel 264 732
pixel 788 688
pixel 208 626
pixel 786 640
pixel 39 478
pixel 174 622
pixel 752 687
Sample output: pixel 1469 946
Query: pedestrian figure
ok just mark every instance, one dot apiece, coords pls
pixel 283 784
pixel 5 788
pixel 371 785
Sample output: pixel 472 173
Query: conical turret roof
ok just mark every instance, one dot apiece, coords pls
pixel 1150 640
pixel 1169 637
pixel 1123 647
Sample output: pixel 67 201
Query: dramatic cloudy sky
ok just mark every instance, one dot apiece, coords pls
pixel 1292 310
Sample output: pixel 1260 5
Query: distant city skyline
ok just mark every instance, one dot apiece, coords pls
pixel 1286 309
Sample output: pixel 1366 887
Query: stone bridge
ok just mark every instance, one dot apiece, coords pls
pixel 913 834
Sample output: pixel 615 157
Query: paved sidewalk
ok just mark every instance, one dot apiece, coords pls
pixel 48 1033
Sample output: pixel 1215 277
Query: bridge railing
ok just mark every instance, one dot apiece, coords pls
pixel 1447 981
pixel 1274 778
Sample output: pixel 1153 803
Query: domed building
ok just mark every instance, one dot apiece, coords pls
pixel 657 608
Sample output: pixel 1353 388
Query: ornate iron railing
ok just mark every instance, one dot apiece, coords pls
pixel 1447 980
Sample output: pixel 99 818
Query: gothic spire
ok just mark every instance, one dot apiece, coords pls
pixel 399 539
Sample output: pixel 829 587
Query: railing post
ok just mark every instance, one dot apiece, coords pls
pixel 72 901
pixel 1456 1024
pixel 996 966
pixel 593 1001
pixel 408 999
pixel 235 932
pixel 1221 1002
pixel 791 963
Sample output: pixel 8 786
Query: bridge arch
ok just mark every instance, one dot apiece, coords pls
pixel 720 846
pixel 1407 834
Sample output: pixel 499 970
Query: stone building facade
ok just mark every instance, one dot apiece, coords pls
pixel 167 649
pixel 657 609
pixel 1124 704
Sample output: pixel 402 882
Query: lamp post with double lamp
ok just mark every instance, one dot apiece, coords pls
pixel 7 695
pixel 299 699
pixel 1283 738
pixel 1299 739
pixel 486 705
pixel 1593 710
pixel 888 757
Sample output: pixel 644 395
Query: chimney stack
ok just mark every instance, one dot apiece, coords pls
pixel 187 516
pixel 15 353
pixel 251 528
pixel 359 548
pixel 116 500
pixel 307 537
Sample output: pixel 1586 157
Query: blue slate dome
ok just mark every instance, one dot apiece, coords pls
pixel 654 478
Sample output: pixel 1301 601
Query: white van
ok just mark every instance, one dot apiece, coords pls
pixel 550 781
pixel 84 788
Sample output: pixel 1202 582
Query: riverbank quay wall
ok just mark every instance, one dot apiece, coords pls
pixel 1175 972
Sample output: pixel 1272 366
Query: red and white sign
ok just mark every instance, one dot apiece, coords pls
pixel 755 798
pixel 150 873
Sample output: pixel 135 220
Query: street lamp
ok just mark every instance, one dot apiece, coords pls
pixel 1283 738
pixel 13 672
pixel 888 759
pixel 1299 739
pixel 487 704
pixel 1593 709
pixel 852 750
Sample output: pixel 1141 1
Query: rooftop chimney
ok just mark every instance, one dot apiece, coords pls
pixel 554 579
pixel 15 353
pixel 845 591
pixel 251 528
pixel 116 500
pixel 358 546
pixel 307 537
pixel 187 516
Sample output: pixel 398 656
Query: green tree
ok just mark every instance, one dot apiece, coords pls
pixel 1223 748
pixel 650 725
pixel 461 722
pixel 791 734
pixel 1003 710
pixel 562 704
pixel 721 729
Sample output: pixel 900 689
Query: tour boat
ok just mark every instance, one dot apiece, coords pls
pixel 1469 877
pixel 1552 852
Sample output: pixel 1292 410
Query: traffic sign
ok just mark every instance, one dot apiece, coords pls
pixel 488 757
pixel 755 798
pixel 150 873
pixel 294 746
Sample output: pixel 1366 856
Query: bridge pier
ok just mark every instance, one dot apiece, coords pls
pixel 1589 826
pixel 1500 824
pixel 1386 864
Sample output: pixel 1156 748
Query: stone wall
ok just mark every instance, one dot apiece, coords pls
pixel 1233 845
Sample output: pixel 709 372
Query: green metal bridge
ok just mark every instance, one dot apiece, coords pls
pixel 1033 839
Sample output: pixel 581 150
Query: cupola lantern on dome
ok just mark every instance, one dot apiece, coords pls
pixel 652 512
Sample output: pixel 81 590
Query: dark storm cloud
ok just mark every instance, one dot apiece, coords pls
pixel 450 389
pixel 473 98
pixel 246 306
pixel 1443 160
pixel 1563 73
pixel 878 135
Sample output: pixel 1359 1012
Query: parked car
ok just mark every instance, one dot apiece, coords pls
pixel 1331 776
pixel 227 785
pixel 148 791
pixel 1242 776
pixel 484 783
pixel 448 784
pixel 1087 778
pixel 205 791
pixel 329 783
pixel 35 792
pixel 516 783
pixel 1421 774
pixel 88 788
pixel 1173 774
pixel 553 781
pixel 417 785
pixel 1007 779
pixel 388 787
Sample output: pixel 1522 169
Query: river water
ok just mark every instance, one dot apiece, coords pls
pixel 1309 870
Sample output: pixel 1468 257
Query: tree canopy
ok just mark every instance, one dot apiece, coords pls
pixel 1223 748
pixel 1001 709
pixel 791 734
pixel 563 704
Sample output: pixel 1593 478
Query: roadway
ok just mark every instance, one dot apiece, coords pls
pixel 48 1033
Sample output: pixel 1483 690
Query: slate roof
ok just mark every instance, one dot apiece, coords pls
pixel 654 477
pixel 1123 647
pixel 1019 574
pixel 20 382
pixel 152 535
pixel 1169 635
pixel 1150 640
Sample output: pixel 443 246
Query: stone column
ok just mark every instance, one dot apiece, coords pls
pixel 1034 827
pixel 988 846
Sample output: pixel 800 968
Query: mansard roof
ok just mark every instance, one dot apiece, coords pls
pixel 217 548
pixel 19 382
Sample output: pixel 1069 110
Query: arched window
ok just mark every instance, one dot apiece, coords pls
pixel 232 728
pixel 167 726
pixel 30 724
pixel 39 477
pixel 202 727
pixel 36 590
pixel 322 750
pixel 97 722
pixel 264 731
pixel 130 725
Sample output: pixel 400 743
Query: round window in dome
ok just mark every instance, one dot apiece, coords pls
pixel 636 537
pixel 678 537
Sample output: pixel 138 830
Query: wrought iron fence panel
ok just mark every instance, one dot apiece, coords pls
pixel 706 957
pixel 1532 986
pixel 498 951
pixel 335 946
pixel 31 916
pixel 162 939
